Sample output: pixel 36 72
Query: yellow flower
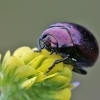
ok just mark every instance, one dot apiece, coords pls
pixel 25 75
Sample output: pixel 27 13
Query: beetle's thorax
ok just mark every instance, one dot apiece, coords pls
pixel 61 36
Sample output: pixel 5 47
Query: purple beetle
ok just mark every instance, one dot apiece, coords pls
pixel 73 42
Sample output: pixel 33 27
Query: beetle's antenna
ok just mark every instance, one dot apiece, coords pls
pixel 39 45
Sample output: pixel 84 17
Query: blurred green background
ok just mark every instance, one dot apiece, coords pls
pixel 23 21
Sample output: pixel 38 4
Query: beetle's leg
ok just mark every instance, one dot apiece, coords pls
pixel 76 68
pixel 56 62
pixel 39 45
pixel 43 47
pixel 79 69
pixel 52 51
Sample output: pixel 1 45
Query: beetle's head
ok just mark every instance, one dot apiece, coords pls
pixel 50 43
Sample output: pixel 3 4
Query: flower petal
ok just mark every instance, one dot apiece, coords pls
pixel 63 94
pixel 40 77
pixel 21 50
pixel 43 52
pixel 52 75
pixel 67 72
pixel 25 71
pixel 47 63
pixel 28 83
pixel 6 56
pixel 61 81
pixel 36 62
pixel 74 85
pixel 0 56
pixel 29 56
pixel 12 63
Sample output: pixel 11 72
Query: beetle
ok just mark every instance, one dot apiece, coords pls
pixel 76 45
